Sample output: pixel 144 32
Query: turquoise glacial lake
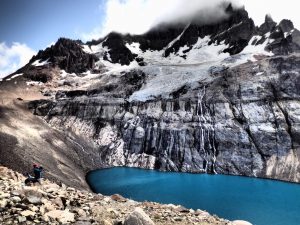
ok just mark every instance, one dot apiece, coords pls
pixel 259 201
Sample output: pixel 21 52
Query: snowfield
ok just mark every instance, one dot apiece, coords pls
pixel 168 74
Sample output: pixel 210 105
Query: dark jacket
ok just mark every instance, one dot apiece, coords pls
pixel 37 172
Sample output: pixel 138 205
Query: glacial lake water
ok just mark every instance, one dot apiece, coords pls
pixel 259 201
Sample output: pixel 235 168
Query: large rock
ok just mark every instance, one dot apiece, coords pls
pixel 63 216
pixel 33 196
pixel 16 199
pixel 138 217
pixel 3 203
pixel 28 213
pixel 118 198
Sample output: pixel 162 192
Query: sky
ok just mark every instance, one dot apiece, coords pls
pixel 27 26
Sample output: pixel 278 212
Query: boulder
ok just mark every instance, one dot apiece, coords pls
pixel 28 213
pixel 183 209
pixel 34 208
pixel 21 219
pixel 118 198
pixel 80 212
pixel 33 197
pixel 22 206
pixel 70 189
pixel 16 199
pixel 4 195
pixel 138 217
pixel 48 206
pixel 58 202
pixel 16 193
pixel 3 203
pixel 63 216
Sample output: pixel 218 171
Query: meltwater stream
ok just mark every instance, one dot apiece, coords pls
pixel 259 201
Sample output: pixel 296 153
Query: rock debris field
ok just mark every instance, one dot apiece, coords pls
pixel 50 203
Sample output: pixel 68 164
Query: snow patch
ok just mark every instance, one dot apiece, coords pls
pixel 116 67
pixel 88 75
pixel 100 52
pixel 14 76
pixel 258 49
pixel 64 74
pixel 249 52
pixel 286 34
pixel 34 83
pixel 177 38
pixel 134 47
pixel 39 62
pixel 87 49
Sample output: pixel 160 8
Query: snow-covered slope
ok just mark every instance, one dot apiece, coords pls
pixel 168 74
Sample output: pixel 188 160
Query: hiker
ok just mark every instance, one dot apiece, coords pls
pixel 37 171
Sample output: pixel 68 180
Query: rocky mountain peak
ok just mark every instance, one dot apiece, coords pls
pixel 285 38
pixel 67 54
pixel 237 14
pixel 286 25
pixel 235 32
pixel 118 52
pixel 229 8
pixel 267 26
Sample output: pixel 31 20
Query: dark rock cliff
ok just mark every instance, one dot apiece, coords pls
pixel 246 122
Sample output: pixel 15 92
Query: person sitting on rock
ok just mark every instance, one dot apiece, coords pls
pixel 37 171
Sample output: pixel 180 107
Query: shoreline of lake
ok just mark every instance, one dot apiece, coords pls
pixel 255 184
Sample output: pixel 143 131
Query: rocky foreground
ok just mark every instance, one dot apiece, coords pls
pixel 50 203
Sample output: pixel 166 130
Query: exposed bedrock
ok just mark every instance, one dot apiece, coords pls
pixel 253 139
pixel 245 122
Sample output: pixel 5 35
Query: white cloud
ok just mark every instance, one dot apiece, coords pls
pixel 287 9
pixel 138 16
pixel 13 57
